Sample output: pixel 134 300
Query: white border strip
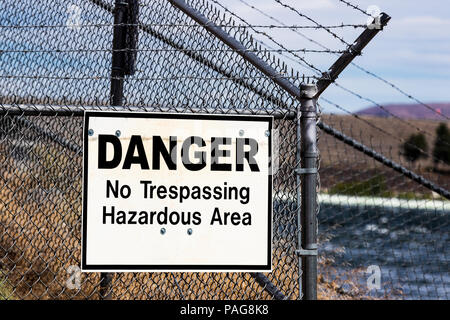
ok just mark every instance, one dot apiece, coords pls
pixel 389 203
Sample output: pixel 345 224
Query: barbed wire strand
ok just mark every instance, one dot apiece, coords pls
pixel 406 122
pixel 356 116
pixel 382 107
pixel 364 98
pixel 336 36
pixel 404 93
pixel 154 78
pixel 351 5
pixel 358 95
pixel 368 72
pixel 168 50
pixel 259 26
pixel 268 36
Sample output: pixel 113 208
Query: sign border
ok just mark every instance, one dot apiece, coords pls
pixel 173 267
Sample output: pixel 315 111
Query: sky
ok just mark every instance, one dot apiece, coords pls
pixel 413 51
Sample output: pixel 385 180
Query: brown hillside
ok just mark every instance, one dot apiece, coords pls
pixel 385 135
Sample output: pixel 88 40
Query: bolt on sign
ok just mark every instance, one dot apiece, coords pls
pixel 184 192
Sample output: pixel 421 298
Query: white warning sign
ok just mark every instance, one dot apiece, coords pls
pixel 183 192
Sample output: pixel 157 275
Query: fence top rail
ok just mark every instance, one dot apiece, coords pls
pixel 78 111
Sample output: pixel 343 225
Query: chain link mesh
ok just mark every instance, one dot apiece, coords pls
pixel 375 221
pixel 180 69
pixel 57 56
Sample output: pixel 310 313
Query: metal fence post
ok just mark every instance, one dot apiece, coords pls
pixel 118 52
pixel 116 94
pixel 307 179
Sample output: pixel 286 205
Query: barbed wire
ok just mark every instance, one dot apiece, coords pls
pixel 356 116
pixel 367 99
pixel 404 93
pixel 279 21
pixel 269 37
pixel 169 50
pixel 388 112
pixel 350 91
pixel 313 21
pixel 385 109
pixel 289 58
pixel 232 26
pixel 215 78
pixel 61 205
pixel 354 64
pixel 368 72
pixel 351 5
pixel 282 23
pixel 281 76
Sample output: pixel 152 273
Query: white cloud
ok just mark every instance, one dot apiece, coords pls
pixel 434 58
pixel 430 21
pixel 420 27
pixel 310 4
pixel 412 51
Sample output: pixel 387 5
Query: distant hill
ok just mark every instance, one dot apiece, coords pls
pixel 409 111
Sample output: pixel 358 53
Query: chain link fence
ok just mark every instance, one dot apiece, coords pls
pixel 55 60
pixel 66 64
pixel 376 223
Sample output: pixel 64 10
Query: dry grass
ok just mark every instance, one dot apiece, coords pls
pixel 40 212
pixel 337 157
pixel 41 236
pixel 42 239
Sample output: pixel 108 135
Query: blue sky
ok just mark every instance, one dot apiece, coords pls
pixel 413 52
